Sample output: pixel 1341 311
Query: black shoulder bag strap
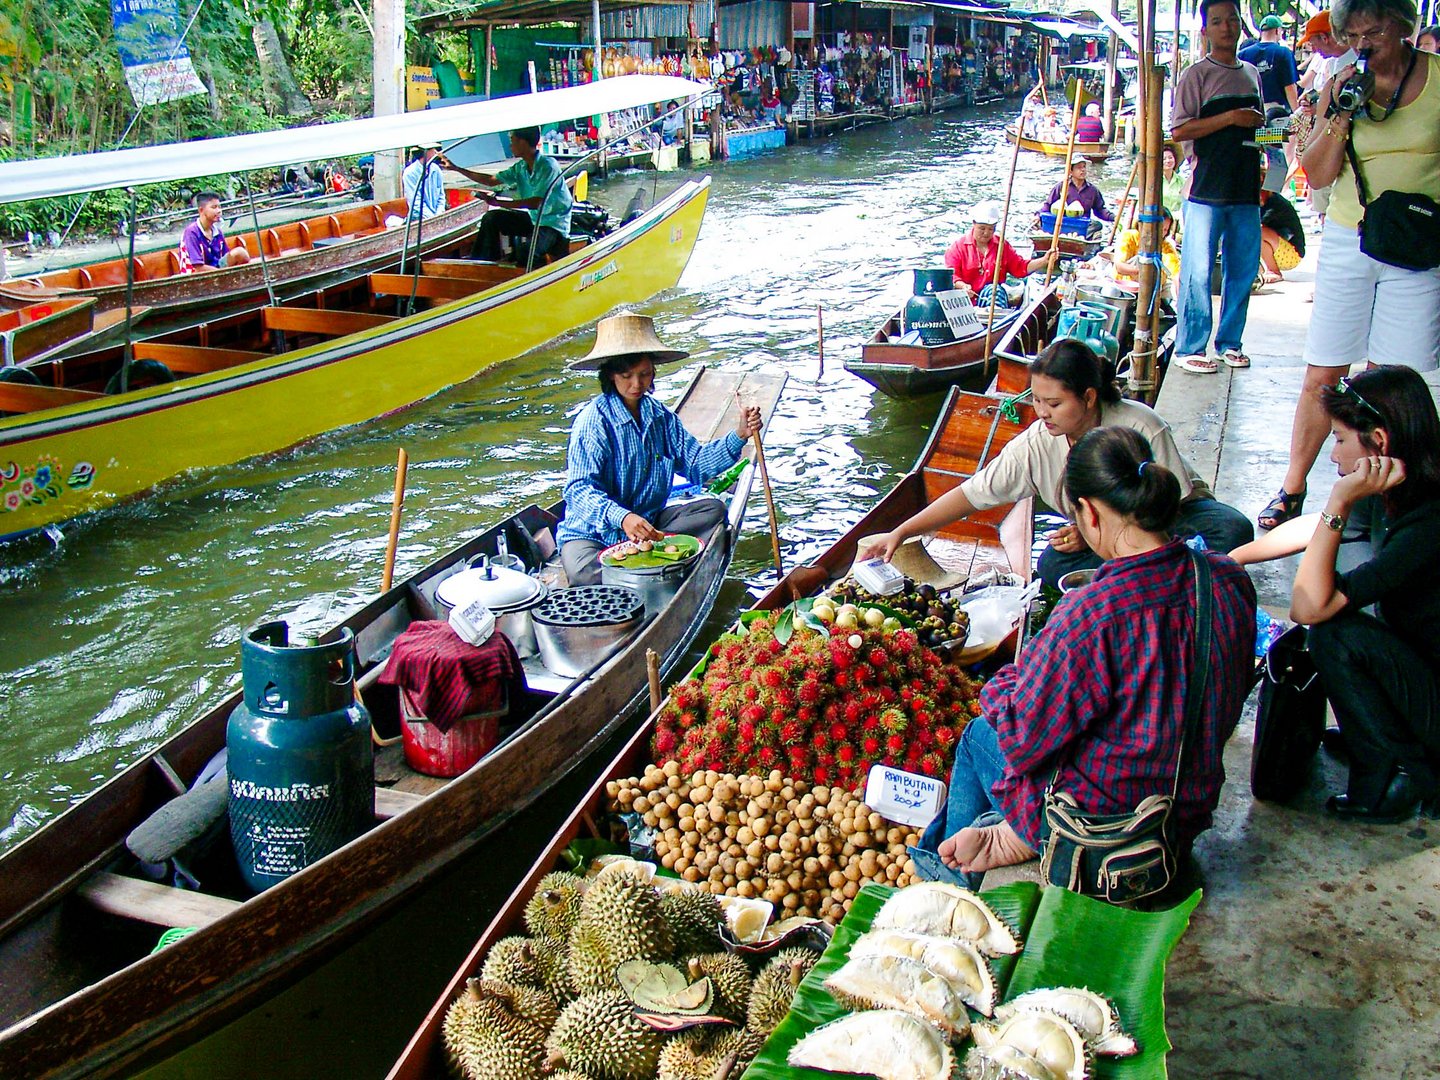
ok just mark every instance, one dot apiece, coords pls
pixel 1200 669
pixel 1350 135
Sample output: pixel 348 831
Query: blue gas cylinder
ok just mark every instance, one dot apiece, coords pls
pixel 923 311
pixel 301 763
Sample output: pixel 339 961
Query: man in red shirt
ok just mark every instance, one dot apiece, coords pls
pixel 973 256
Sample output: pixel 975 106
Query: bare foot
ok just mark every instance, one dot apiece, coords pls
pixel 975 850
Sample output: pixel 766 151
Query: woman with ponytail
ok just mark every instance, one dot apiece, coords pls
pixel 1074 391
pixel 1097 699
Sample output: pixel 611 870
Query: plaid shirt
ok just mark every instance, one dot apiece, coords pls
pixel 617 465
pixel 1101 692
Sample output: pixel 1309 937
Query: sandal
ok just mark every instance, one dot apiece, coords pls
pixel 1197 364
pixel 1282 508
pixel 1235 358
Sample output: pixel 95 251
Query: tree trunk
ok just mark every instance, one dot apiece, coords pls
pixel 275 69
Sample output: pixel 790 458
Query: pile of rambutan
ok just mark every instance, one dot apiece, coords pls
pixel 818 706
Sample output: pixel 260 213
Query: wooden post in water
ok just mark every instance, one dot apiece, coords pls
pixel 652 670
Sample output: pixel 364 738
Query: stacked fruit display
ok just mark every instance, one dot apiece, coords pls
pixel 936 616
pixel 821 706
pixel 616 981
pixel 805 848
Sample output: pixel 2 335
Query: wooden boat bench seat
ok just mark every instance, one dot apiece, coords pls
pixel 431 288
pixel 20 398
pixel 487 273
pixel 320 321
pixel 195 359
pixel 149 902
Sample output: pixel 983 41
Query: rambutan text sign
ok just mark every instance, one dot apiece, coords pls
pixel 904 797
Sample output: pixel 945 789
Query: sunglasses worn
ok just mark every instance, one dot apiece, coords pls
pixel 1345 388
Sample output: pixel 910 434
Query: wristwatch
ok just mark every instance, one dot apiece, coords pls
pixel 1333 522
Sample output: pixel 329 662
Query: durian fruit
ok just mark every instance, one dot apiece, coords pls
pixel 525 1002
pixel 512 960
pixel 731 978
pixel 552 911
pixel 699 1054
pixel 485 1040
pixel 775 988
pixel 599 1035
pixel 620 919
pixel 695 920
pixel 552 959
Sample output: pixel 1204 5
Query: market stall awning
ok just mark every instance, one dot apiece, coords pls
pixel 1126 34
pixel 51 177
pixel 1065 30
pixel 527 12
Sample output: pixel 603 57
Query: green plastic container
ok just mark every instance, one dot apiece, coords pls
pixel 301 763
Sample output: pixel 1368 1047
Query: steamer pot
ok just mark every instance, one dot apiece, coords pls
pixel 510 594
pixel 657 585
pixel 577 628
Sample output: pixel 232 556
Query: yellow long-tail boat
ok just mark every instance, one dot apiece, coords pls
pixel 81 437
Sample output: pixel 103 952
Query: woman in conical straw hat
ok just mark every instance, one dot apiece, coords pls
pixel 626 447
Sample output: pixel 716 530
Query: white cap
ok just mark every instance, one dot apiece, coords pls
pixel 986 213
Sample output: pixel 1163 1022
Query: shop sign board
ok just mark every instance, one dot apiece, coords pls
pixel 959 312
pixel 152 51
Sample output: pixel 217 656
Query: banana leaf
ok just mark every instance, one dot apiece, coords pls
pixel 1069 940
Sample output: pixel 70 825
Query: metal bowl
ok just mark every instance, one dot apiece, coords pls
pixel 1075 579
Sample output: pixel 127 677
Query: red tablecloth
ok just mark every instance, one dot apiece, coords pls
pixel 449 678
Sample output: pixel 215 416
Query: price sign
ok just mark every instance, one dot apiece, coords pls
pixel 904 797
pixel 959 312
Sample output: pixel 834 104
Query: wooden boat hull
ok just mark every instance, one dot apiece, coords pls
pixel 905 371
pixel 1094 151
pixel 62 1014
pixel 180 299
pixel 97 452
pixel 953 444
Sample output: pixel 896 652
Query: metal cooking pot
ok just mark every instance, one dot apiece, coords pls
pixel 509 594
pixel 577 628
pixel 657 585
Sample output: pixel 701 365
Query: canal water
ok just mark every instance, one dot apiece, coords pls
pixel 129 629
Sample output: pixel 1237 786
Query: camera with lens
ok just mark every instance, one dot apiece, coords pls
pixel 1356 90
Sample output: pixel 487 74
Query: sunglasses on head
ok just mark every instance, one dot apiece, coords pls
pixel 1344 387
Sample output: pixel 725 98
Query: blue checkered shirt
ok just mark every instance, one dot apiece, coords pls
pixel 617 465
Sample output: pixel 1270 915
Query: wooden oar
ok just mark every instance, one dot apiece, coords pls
pixel 769 496
pixel 1000 249
pixel 820 337
pixel 1059 211
pixel 1125 199
pixel 387 576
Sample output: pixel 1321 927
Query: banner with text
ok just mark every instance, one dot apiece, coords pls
pixel 157 63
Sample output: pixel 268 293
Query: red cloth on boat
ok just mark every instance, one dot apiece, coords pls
pixel 448 677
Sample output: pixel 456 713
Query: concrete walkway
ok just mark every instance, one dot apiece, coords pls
pixel 1315 951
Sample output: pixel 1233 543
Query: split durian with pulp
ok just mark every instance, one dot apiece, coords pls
pixel 884 1043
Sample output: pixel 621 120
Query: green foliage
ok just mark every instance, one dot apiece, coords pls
pixel 69 71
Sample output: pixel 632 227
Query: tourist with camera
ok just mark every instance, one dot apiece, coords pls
pixel 1377 286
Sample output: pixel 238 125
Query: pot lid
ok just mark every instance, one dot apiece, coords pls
pixel 497 587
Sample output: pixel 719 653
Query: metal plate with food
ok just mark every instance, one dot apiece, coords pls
pixel 632 555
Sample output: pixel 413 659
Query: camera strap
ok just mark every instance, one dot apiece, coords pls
pixel 1390 108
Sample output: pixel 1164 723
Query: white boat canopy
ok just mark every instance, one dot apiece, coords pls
pixel 44 178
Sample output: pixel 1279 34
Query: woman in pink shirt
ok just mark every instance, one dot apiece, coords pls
pixel 973 256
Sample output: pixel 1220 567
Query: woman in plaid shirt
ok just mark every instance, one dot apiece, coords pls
pixel 1097 699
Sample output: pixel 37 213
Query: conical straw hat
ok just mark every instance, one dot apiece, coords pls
pixel 627 334
pixel 912 560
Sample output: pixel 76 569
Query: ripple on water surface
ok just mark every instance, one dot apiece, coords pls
pixel 129 631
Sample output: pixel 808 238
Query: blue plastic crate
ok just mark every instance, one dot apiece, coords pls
pixel 1072 226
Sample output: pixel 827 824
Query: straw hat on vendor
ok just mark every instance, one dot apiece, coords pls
pixel 626 447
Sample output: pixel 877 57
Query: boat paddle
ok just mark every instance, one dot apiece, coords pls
pixel 387 575
pixel 1059 211
pixel 769 495
pixel 999 241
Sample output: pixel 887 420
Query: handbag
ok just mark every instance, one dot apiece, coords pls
pixel 1125 857
pixel 1289 720
pixel 1397 228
